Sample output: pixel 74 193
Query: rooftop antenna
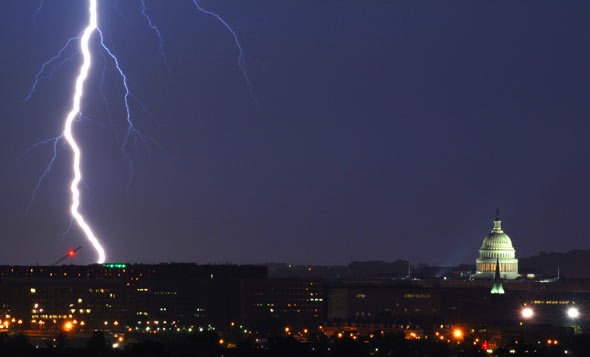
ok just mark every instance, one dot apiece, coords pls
pixel 70 254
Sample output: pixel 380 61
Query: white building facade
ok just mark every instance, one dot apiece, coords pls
pixel 497 249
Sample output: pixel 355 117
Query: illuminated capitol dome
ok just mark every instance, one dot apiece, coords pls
pixel 497 247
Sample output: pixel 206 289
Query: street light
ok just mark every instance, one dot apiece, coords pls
pixel 573 313
pixel 527 313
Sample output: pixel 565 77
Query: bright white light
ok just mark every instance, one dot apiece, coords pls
pixel 573 313
pixel 527 312
pixel 72 115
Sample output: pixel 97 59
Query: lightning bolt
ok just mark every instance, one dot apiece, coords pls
pixel 241 61
pixel 69 136
pixel 49 166
pixel 156 30
pixel 54 141
pixel 75 114
pixel 37 11
pixel 104 97
pixel 47 63
pixel 131 130
pixel 241 54
pixel 59 65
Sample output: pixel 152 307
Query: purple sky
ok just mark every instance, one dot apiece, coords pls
pixel 380 130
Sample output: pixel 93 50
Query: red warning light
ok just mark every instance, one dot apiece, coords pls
pixel 484 345
pixel 71 253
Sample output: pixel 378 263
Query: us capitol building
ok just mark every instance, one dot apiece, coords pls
pixel 497 249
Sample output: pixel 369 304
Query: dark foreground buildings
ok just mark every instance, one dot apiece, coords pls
pixel 163 297
pixel 179 298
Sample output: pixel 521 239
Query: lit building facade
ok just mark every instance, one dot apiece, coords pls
pixel 497 249
pixel 119 297
pixel 280 302
pixel 382 303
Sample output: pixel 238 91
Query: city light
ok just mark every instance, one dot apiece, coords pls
pixel 68 326
pixel 573 313
pixel 527 313
pixel 458 333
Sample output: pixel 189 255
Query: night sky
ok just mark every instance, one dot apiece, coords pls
pixel 379 130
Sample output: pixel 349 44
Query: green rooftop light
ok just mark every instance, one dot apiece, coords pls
pixel 118 266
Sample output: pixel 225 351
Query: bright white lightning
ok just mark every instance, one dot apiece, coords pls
pixel 75 114
pixel 70 119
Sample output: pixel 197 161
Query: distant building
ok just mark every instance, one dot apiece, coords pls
pixel 497 248
pixel 275 303
pixel 119 297
pixel 382 303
